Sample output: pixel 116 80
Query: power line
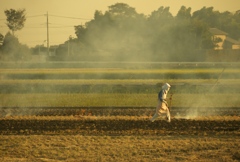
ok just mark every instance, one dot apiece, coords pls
pixel 69 17
pixel 62 27
pixel 62 24
pixel 49 25
pixel 34 27
pixel 34 16
pixel 26 17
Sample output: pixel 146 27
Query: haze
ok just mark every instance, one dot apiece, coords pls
pixel 64 15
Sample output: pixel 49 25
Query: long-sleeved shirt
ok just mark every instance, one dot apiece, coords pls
pixel 162 96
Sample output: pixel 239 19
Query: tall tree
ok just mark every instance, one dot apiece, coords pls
pixel 117 32
pixel 200 29
pixel 122 9
pixel 229 24
pixel 158 28
pixel 10 47
pixel 80 32
pixel 207 15
pixel 13 50
pixel 15 19
pixel 184 13
pixel 160 17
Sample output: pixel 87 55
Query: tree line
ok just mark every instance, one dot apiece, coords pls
pixel 123 34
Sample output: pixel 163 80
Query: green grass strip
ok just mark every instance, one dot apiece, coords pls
pixel 98 99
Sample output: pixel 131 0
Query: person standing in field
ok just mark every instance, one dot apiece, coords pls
pixel 162 106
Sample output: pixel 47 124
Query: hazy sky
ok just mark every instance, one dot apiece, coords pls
pixel 63 14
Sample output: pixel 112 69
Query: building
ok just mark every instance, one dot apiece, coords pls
pixel 225 42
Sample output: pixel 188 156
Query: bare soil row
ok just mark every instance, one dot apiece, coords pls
pixel 118 126
pixel 116 111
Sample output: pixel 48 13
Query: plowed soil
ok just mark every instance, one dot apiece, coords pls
pixel 119 125
pixel 98 135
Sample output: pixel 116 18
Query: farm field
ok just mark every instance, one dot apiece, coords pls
pixel 79 138
pixel 102 112
pixel 118 148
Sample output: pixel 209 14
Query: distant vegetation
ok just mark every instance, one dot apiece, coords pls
pixel 122 34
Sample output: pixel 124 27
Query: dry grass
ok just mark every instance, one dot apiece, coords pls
pixel 118 148
pixel 183 145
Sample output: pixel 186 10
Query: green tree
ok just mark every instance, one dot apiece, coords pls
pixel 13 50
pixel 230 24
pixel 122 33
pixel 122 9
pixel 113 34
pixel 207 42
pixel 160 17
pixel 202 20
pixel 10 47
pixel 80 32
pixel 184 13
pixel 15 19
pixel 200 30
pixel 207 15
pixel 158 38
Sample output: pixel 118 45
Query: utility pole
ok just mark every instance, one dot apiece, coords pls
pixel 47 36
pixel 69 45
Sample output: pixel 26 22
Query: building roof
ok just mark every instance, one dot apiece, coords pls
pixel 233 41
pixel 216 31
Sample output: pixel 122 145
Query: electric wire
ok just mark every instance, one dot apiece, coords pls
pixel 34 16
pixel 51 25
pixel 69 17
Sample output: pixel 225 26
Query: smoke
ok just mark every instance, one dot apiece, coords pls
pixel 133 38
pixel 122 34
pixel 198 108
pixel 18 111
pixel 214 95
